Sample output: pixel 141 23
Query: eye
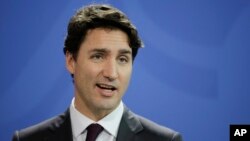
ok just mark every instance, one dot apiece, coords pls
pixel 97 57
pixel 123 59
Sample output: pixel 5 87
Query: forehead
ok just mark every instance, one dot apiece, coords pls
pixel 112 39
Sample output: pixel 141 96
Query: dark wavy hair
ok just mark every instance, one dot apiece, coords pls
pixel 99 16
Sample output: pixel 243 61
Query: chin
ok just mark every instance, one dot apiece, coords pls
pixel 107 105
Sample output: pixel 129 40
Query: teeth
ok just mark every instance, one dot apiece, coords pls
pixel 106 86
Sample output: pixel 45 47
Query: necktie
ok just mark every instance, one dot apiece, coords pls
pixel 93 131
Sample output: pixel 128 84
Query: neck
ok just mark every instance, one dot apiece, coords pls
pixel 91 112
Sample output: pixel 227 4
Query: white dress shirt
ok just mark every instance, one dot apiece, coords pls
pixel 110 123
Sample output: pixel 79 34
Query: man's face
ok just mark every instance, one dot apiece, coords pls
pixel 101 71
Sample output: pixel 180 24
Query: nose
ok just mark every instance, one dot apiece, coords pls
pixel 110 70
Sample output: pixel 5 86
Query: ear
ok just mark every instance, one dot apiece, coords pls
pixel 70 62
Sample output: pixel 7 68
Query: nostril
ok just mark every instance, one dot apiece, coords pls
pixel 110 75
pixel 110 78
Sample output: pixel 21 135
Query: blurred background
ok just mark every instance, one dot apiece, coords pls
pixel 192 76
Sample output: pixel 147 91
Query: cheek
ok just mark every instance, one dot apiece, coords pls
pixel 126 77
pixel 89 72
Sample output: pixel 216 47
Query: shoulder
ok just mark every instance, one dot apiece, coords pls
pixel 42 129
pixel 159 132
pixel 148 130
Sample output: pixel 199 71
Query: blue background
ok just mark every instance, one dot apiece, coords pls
pixel 192 76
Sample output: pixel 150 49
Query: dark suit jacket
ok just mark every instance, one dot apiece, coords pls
pixel 132 128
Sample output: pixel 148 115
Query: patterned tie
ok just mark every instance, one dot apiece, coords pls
pixel 93 131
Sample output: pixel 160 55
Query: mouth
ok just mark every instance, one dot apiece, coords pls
pixel 106 87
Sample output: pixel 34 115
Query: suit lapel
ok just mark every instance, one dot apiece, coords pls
pixel 129 126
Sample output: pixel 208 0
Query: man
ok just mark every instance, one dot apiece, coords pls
pixel 100 48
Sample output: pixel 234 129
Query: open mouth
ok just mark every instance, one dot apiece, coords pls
pixel 106 87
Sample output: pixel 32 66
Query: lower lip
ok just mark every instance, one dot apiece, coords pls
pixel 106 93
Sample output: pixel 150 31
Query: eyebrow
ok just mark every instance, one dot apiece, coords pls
pixel 104 50
pixel 101 50
pixel 125 51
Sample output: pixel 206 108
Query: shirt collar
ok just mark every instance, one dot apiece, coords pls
pixel 110 122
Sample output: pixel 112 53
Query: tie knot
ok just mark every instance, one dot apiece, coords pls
pixel 93 131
